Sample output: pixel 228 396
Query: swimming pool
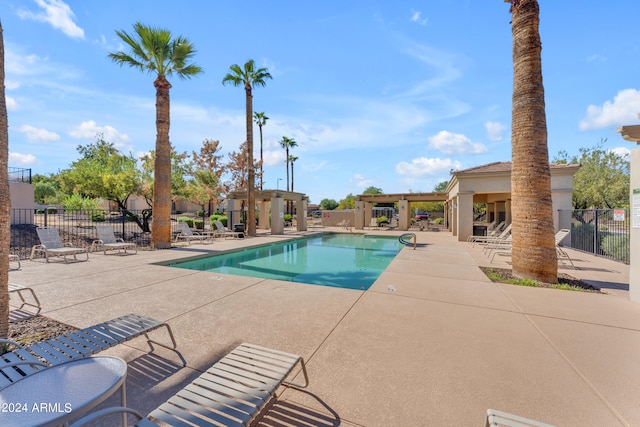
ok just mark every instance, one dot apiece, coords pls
pixel 339 260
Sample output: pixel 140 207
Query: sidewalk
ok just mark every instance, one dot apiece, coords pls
pixel 432 342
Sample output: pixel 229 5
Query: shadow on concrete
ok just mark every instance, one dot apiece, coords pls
pixel 290 414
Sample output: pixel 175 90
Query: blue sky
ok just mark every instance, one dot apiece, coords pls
pixel 389 94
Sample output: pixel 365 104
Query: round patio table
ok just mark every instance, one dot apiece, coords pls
pixel 58 394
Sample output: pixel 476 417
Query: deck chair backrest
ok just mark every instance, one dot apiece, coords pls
pixel 219 226
pixel 49 237
pixel 184 228
pixel 105 233
pixel 505 232
pixel 561 234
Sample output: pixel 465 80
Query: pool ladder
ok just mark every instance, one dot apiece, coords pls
pixel 405 239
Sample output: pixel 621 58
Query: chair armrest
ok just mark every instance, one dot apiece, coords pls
pixel 106 411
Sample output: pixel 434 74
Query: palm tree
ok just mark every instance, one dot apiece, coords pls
pixel 249 77
pixel 534 253
pixel 5 202
pixel 153 50
pixel 292 160
pixel 287 143
pixel 261 120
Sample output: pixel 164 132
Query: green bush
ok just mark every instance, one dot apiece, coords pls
pixel 438 221
pixel 382 220
pixel 186 219
pixel 582 236
pixel 52 211
pixel 97 216
pixel 198 224
pixel 200 213
pixel 288 218
pixel 615 246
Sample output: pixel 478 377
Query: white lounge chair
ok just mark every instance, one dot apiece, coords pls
pixel 499 418
pixel 185 233
pixel 490 239
pixel 107 241
pixel 79 344
pixel 29 301
pixel 232 392
pixel 51 245
pixel 222 231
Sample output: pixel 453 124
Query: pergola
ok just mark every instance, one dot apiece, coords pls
pixel 364 203
pixel 271 206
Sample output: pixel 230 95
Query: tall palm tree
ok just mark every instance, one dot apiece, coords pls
pixel 261 120
pixel 534 253
pixel 292 160
pixel 5 202
pixel 287 143
pixel 249 77
pixel 153 50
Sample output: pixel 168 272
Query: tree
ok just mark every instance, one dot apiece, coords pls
pixel 5 202
pixel 209 170
pixel 249 77
pixel 292 160
pixel 441 187
pixel 153 50
pixel 348 202
pixel 237 166
pixel 261 120
pixel 328 204
pixel 373 190
pixel 287 143
pixel 602 182
pixel 534 252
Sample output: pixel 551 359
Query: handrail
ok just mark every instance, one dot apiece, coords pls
pixel 407 242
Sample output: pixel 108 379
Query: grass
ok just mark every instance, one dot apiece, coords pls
pixel 565 282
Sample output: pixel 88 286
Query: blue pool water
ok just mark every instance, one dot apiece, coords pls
pixel 339 260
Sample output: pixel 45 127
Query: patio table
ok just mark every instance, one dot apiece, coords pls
pixel 58 394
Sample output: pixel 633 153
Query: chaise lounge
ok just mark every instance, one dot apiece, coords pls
pixel 107 241
pixel 51 245
pixel 233 392
pixel 77 345
pixel 185 233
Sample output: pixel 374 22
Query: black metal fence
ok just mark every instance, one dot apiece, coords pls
pixel 20 175
pixel 78 226
pixel 603 232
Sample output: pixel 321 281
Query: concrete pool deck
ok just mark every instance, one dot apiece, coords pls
pixel 432 342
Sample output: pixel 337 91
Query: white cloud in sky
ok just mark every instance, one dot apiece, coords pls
pixel 58 14
pixel 271 158
pixel 494 130
pixel 455 143
pixel 423 166
pixel 20 159
pixel 12 104
pixel 416 16
pixel 35 134
pixel 623 110
pixel 11 84
pixel 621 151
pixel 90 129
pixel 362 181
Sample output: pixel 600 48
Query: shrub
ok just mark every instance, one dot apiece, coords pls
pixel 615 246
pixel 438 221
pixel 198 224
pixel 288 217
pixel 186 219
pixel 97 216
pixel 382 220
pixel 200 213
pixel 52 210
pixel 217 217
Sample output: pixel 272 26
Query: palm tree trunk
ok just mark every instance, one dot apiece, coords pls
pixel 251 177
pixel 261 171
pixel 534 253
pixel 5 203
pixel 161 220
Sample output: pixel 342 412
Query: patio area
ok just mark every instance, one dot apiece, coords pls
pixel 432 342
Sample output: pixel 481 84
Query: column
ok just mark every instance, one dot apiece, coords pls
pixel 465 216
pixel 301 214
pixel 403 207
pixel 277 215
pixel 360 215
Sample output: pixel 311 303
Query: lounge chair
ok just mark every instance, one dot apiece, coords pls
pixel 499 418
pixel 185 233
pixel 233 392
pixel 493 230
pixel 373 223
pixel 51 245
pixel 505 248
pixel 79 344
pixel 223 232
pixel 393 223
pixel 490 239
pixel 13 260
pixel 107 241
pixel 26 300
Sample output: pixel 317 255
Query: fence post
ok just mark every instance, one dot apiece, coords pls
pixel 596 250
pixel 124 221
pixel 46 212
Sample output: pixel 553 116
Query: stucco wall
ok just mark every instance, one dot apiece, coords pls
pixel 22 202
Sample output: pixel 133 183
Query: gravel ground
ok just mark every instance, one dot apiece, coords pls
pixel 37 328
pixel 563 278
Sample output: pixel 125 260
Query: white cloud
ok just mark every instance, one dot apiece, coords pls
pixel 423 166
pixel 362 181
pixel 19 159
pixel 455 143
pixel 416 16
pixel 624 109
pixel 621 151
pixel 11 84
pixel 58 14
pixel 272 158
pixel 90 129
pixel 36 135
pixel 494 130
pixel 12 104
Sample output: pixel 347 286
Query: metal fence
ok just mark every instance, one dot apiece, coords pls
pixel 602 232
pixel 78 226
pixel 20 175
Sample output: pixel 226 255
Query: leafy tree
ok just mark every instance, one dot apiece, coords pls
pixel 328 204
pixel 155 51
pixel 373 190
pixel 44 192
pixel 602 180
pixel 441 187
pixel 348 202
pixel 237 167
pixel 208 172
pixel 248 77
pixel 5 202
pixel 533 243
pixel 261 120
